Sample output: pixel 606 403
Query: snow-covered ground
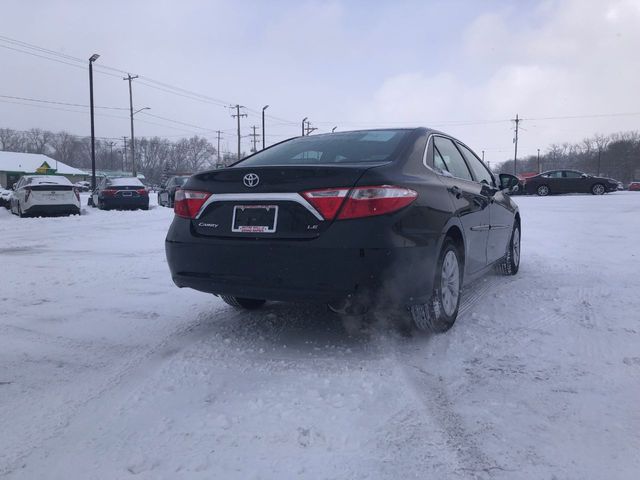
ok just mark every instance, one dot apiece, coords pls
pixel 108 371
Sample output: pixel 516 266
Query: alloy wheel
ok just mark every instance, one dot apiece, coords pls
pixel 515 247
pixel 450 283
pixel 543 190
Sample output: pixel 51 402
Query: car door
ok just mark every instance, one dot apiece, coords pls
pixel 16 194
pixel 501 214
pixel 471 206
pixel 553 180
pixel 574 182
pixel 96 193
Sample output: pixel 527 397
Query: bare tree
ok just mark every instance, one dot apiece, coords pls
pixel 11 140
pixel 38 140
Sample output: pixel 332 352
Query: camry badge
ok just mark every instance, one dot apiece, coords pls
pixel 251 180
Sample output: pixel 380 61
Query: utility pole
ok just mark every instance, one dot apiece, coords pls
pixel 124 154
pixel 111 144
pixel 515 141
pixel 219 133
pixel 309 128
pixel 238 115
pixel 92 59
pixel 133 138
pixel 303 122
pixel 599 153
pixel 264 138
pixel 538 160
pixel 254 136
pixel 482 156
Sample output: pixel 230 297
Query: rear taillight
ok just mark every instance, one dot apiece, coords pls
pixel 326 201
pixel 26 197
pixel 187 203
pixel 142 191
pixel 360 201
pixel 370 201
pixel 109 192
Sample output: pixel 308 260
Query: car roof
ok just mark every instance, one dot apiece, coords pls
pixel 48 179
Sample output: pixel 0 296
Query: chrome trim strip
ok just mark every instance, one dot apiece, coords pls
pixel 259 197
pixel 480 228
pixel 499 227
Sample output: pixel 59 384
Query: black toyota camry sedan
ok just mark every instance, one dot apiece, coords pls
pixel 568 181
pixel 399 218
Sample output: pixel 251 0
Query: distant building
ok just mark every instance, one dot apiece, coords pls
pixel 14 165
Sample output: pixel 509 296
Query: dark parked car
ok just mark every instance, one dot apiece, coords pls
pixel 374 218
pixel 121 193
pixel 568 181
pixel 167 192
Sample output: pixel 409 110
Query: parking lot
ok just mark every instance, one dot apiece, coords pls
pixel 107 370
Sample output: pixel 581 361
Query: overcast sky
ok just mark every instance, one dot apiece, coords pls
pixel 465 67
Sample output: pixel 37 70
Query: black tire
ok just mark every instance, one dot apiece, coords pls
pixel 434 316
pixel 244 303
pixel 543 190
pixel 598 189
pixel 510 264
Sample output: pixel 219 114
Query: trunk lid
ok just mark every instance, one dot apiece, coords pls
pixel 245 200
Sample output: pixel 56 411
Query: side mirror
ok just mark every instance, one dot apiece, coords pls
pixel 14 186
pixel 509 183
pixel 487 190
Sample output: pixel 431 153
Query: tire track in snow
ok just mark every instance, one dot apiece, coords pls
pixel 430 393
pixel 137 365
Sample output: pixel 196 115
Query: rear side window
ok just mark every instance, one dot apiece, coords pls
pixel 481 172
pixel 451 158
pixel 348 147
pixel 570 174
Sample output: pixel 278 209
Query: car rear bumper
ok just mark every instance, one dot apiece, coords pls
pixel 308 270
pixel 125 202
pixel 64 209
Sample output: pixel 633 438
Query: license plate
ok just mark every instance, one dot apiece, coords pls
pixel 127 194
pixel 254 218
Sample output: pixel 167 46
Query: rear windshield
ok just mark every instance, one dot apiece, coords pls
pixel 48 180
pixel 125 182
pixel 180 180
pixel 347 147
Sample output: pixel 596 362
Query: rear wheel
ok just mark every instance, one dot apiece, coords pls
pixel 598 189
pixel 543 191
pixel 440 312
pixel 511 261
pixel 239 302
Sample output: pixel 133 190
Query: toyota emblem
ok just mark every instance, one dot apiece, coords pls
pixel 251 180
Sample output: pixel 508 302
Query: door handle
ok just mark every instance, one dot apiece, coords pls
pixel 455 190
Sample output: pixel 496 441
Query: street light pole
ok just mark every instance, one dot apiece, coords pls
pixel 303 121
pixel 263 137
pixel 133 138
pixel 92 59
pixel 538 160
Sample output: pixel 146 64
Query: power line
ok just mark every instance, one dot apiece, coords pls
pixel 143 80
pixel 59 103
